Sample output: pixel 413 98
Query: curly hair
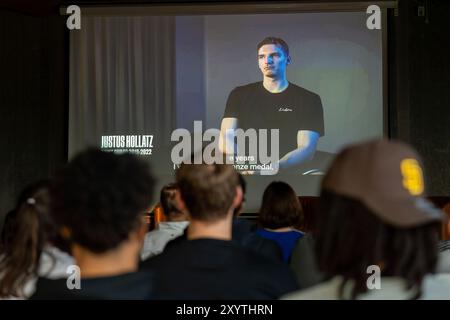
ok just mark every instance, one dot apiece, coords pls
pixel 280 207
pixel 100 196
pixel 350 238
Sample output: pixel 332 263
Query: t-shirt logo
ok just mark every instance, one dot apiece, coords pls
pixel 412 176
pixel 284 109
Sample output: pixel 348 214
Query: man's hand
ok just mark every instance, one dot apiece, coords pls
pixel 306 147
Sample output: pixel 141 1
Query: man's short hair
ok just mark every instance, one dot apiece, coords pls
pixel 207 190
pixel 100 197
pixel 167 199
pixel 276 41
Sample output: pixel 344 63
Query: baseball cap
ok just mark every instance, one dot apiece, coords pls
pixel 387 177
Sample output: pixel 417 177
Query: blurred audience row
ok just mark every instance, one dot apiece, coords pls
pixel 373 234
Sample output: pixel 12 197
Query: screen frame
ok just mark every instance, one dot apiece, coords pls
pixel 254 8
pixel 216 8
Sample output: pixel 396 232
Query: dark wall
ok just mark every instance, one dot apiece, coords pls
pixel 430 94
pixel 32 101
pixel 419 84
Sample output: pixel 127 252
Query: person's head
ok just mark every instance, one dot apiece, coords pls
pixel 280 207
pixel 210 192
pixel 99 199
pixel 273 57
pixel 169 200
pixel 372 212
pixel 243 185
pixel 26 230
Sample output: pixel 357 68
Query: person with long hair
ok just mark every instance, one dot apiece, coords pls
pixel 176 222
pixel 30 245
pixel 280 216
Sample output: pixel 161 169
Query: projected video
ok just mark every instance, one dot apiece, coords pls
pixel 276 95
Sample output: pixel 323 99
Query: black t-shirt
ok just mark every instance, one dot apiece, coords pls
pixel 130 286
pixel 289 111
pixel 217 269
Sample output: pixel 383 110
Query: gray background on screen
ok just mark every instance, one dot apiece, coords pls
pixel 333 55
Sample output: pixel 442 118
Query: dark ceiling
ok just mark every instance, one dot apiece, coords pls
pixel 51 7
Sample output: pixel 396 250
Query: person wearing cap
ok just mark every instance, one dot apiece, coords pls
pixel 377 236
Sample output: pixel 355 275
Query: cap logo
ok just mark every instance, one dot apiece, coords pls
pixel 412 176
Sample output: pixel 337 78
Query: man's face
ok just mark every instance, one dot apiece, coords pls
pixel 272 61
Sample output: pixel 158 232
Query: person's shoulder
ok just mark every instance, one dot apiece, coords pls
pixel 261 268
pixel 247 87
pixel 444 245
pixel 134 285
pixel 157 236
pixel 51 288
pixel 436 287
pixel 302 91
pixel 306 240
pixel 297 234
pixel 443 265
pixel 154 261
pixel 53 263
pixel 172 254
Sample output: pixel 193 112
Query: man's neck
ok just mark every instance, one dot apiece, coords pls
pixel 220 229
pixel 121 260
pixel 275 85
pixel 177 218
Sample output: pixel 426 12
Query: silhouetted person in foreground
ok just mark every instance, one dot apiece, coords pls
pixel 98 202
pixel 376 235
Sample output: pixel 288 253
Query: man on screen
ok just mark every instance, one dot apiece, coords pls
pixel 275 103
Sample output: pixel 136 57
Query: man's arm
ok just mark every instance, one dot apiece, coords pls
pixel 226 139
pixel 306 147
